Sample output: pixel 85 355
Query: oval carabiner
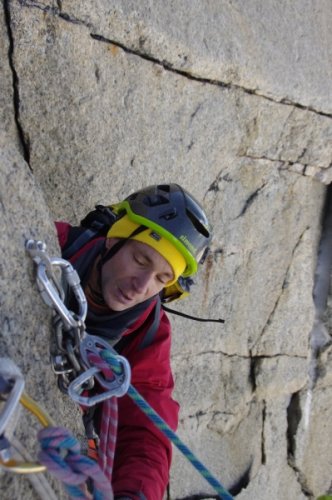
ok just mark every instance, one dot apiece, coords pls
pixel 73 280
pixel 51 297
pixel 15 386
pixel 19 467
pixel 51 291
pixel 75 388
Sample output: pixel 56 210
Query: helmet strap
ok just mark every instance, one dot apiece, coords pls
pixel 107 254
pixel 195 318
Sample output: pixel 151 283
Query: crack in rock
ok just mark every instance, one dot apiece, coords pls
pixel 215 185
pixel 249 201
pixel 263 451
pixel 166 64
pixel 321 173
pixel 320 338
pixel 242 356
pixel 294 417
pixel 283 287
pixel 23 137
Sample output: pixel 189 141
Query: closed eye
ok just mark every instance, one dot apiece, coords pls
pixel 164 278
pixel 140 261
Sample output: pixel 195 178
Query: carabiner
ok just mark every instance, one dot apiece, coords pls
pixel 37 251
pixel 46 421
pixel 73 280
pixel 15 385
pixel 49 288
pixel 51 297
pixel 60 364
pixel 75 389
pixel 12 385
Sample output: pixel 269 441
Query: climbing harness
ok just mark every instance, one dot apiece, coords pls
pixel 81 359
pixel 60 451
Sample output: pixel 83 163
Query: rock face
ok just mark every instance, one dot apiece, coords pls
pixel 232 100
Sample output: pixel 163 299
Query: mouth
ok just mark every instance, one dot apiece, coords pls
pixel 123 297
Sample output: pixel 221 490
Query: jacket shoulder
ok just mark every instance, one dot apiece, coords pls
pixel 63 229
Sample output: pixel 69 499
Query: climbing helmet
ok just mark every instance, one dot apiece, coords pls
pixel 172 222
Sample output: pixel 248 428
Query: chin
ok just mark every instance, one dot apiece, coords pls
pixel 116 307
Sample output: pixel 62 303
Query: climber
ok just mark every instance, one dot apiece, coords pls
pixel 153 242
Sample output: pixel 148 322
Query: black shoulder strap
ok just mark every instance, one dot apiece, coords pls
pixel 84 237
pixel 151 333
pixel 95 223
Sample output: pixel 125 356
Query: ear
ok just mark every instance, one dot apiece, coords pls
pixel 110 242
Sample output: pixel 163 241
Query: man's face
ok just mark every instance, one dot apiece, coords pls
pixel 134 274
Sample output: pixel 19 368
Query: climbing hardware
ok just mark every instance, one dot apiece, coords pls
pixel 60 452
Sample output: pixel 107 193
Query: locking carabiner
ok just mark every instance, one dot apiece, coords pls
pixel 50 289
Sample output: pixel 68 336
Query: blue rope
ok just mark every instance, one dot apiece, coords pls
pixel 61 454
pixel 111 359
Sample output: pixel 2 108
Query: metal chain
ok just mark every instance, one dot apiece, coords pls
pixel 68 327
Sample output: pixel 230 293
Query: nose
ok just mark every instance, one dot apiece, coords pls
pixel 141 282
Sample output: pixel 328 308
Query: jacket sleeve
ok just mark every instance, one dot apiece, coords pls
pixel 143 453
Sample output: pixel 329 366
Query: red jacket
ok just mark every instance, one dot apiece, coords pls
pixel 143 453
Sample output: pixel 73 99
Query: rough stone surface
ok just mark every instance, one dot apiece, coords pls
pixel 25 322
pixel 100 98
pixel 273 50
